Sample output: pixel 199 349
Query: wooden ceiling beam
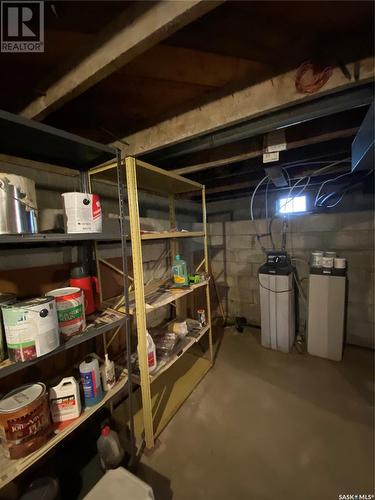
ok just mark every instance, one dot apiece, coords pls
pixel 255 150
pixel 236 106
pixel 138 28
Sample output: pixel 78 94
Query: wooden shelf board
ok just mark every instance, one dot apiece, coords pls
pixel 167 297
pixel 10 469
pixel 8 367
pixel 185 345
pixel 174 234
pixel 155 179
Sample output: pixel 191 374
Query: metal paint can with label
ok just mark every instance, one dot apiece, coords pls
pixel 5 298
pixel 70 305
pixel 31 328
pixel 25 423
pixel 83 213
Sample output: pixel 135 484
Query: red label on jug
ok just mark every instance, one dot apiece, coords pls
pixel 96 207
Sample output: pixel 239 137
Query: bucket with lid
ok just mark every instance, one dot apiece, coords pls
pixel 18 208
pixel 316 259
pixel 31 328
pixel 70 310
pixel 25 423
pixel 83 213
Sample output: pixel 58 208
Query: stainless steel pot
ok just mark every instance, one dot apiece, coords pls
pixel 18 209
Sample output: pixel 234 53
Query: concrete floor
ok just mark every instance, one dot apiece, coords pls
pixel 267 425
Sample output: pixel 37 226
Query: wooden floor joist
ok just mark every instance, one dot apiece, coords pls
pixel 139 28
pixel 244 104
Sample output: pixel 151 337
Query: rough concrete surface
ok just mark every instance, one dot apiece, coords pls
pixel 266 425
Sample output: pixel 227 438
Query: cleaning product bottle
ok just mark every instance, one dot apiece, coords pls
pixel 110 451
pixel 107 371
pixel 64 399
pixel 151 353
pixel 90 377
pixel 179 272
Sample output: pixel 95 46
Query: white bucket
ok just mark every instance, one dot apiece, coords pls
pixel 316 259
pixel 340 263
pixel 83 213
pixel 70 305
pixel 31 328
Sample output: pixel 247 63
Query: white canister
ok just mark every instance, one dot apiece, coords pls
pixel 327 262
pixel 330 254
pixel 83 213
pixel 316 259
pixel 70 305
pixel 340 263
pixel 64 400
pixel 31 328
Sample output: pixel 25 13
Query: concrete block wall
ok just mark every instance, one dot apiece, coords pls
pixel 236 257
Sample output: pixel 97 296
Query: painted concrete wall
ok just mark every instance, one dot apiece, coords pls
pixel 236 257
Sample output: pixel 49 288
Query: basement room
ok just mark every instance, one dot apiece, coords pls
pixel 187 250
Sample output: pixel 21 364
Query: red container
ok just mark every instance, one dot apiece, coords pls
pixel 90 287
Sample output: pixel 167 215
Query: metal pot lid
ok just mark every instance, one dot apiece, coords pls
pixel 21 397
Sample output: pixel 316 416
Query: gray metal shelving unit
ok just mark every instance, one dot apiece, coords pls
pixel 26 139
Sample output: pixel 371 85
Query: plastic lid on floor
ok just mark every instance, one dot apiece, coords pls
pixel 119 484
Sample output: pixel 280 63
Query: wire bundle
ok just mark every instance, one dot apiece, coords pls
pixel 319 77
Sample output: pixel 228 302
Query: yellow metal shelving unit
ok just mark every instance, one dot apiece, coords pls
pixel 161 393
pixel 164 391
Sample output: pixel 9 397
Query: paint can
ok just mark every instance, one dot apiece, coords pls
pixel 340 263
pixel 31 328
pixel 316 259
pixel 83 213
pixel 5 298
pixel 25 423
pixel 70 310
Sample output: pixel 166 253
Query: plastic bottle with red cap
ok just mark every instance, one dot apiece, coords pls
pixel 110 451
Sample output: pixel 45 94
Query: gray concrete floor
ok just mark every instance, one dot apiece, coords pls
pixel 266 425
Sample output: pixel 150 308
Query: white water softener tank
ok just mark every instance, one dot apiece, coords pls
pixel 277 302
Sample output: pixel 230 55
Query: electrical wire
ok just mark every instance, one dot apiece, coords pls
pixel 266 198
pixel 319 77
pixel 326 182
pixel 253 196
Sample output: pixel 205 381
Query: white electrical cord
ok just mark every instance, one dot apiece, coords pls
pixel 326 182
pixel 253 196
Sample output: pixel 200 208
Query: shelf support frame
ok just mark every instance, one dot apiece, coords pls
pixel 136 243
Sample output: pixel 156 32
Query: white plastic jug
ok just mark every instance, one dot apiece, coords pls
pixel 64 400
pixel 151 353
pixel 110 451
